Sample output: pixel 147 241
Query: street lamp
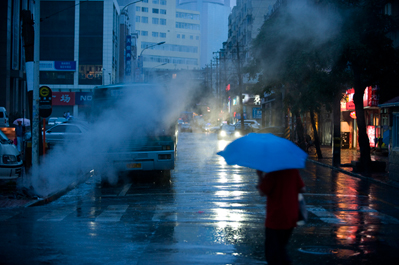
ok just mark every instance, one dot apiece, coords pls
pixel 159 43
pixel 123 9
pixel 141 64
pixel 149 72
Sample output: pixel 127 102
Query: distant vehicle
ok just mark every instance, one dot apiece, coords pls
pixel 228 132
pixel 208 127
pixel 56 120
pixel 186 127
pixel 252 123
pixel 10 159
pixel 4 121
pixel 64 132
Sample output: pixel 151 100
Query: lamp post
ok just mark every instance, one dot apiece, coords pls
pixel 141 58
pixel 149 70
pixel 126 62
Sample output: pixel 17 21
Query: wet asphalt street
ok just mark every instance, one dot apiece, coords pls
pixel 208 213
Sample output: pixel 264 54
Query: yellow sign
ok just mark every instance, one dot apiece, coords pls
pixel 44 91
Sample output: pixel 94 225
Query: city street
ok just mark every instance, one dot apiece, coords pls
pixel 207 213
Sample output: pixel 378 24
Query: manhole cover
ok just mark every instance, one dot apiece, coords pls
pixel 324 250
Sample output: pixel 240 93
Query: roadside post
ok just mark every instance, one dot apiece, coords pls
pixel 45 109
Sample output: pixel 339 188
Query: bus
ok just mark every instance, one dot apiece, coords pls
pixel 141 121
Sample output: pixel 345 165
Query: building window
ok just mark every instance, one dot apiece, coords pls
pixel 144 33
pixel 183 36
pixel 137 19
pixel 163 21
pixel 155 34
pixel 163 2
pixel 163 11
pixel 138 9
pixel 155 1
pixel 155 20
pixel 181 25
pixel 155 10
pixel 144 19
pixel 162 35
pixel 144 9
pixel 187 15
pixel 145 1
pixel 178 36
pixel 191 37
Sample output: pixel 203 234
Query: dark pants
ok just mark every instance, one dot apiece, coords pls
pixel 275 246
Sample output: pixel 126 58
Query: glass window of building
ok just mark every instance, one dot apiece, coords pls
pixel 144 19
pixel 162 35
pixel 144 33
pixel 163 21
pixel 137 19
pixel 155 20
pixel 56 77
pixel 138 9
pixel 155 34
pixel 144 9
pixel 178 36
pixel 145 1
pixel 90 43
pixel 163 2
pixel 183 36
pixel 163 11
pixel 191 37
pixel 155 1
pixel 155 10
pixel 57 33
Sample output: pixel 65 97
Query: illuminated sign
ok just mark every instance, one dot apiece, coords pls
pixel 353 114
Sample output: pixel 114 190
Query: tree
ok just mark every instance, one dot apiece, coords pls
pixel 369 54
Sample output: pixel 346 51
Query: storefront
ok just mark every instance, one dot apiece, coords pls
pixel 349 130
pixel 76 103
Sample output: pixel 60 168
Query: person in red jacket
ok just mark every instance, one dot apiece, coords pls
pixel 281 188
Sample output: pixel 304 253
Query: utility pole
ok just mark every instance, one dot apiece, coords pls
pixel 240 87
pixel 36 83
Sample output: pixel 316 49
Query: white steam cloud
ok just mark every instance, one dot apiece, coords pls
pixel 134 114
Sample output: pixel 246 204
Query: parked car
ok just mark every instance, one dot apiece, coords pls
pixel 10 159
pixel 61 133
pixel 252 123
pixel 247 128
pixel 56 120
pixel 4 121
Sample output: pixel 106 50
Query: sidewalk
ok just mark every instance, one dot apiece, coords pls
pixel 349 155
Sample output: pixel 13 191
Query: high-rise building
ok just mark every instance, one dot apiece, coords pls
pixel 214 24
pixel 168 38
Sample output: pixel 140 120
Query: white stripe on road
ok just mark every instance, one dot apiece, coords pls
pixel 58 215
pixel 125 189
pixel 113 213
pixel 325 215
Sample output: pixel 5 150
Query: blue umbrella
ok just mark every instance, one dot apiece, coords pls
pixel 265 152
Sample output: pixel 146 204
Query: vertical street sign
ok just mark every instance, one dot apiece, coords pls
pixel 128 55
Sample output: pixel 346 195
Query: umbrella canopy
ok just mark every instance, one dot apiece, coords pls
pixel 24 121
pixel 265 152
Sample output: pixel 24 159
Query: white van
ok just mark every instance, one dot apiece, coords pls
pixel 3 118
pixel 10 159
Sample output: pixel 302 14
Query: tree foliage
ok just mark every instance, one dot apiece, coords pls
pixel 314 50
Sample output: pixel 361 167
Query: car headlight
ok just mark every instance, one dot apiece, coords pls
pixel 10 159
pixel 223 133
pixel 237 134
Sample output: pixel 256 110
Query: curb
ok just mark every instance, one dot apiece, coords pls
pixel 52 197
pixel 391 184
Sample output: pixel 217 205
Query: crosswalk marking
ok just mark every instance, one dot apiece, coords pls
pixel 58 215
pixel 113 213
pixel 325 215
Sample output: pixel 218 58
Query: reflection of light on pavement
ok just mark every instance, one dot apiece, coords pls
pixel 222 145
pixel 228 217
pixel 93 227
pixel 222 177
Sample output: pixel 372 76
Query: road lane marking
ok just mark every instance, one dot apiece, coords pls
pixel 125 189
pixel 113 213
pixel 58 214
pixel 325 215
